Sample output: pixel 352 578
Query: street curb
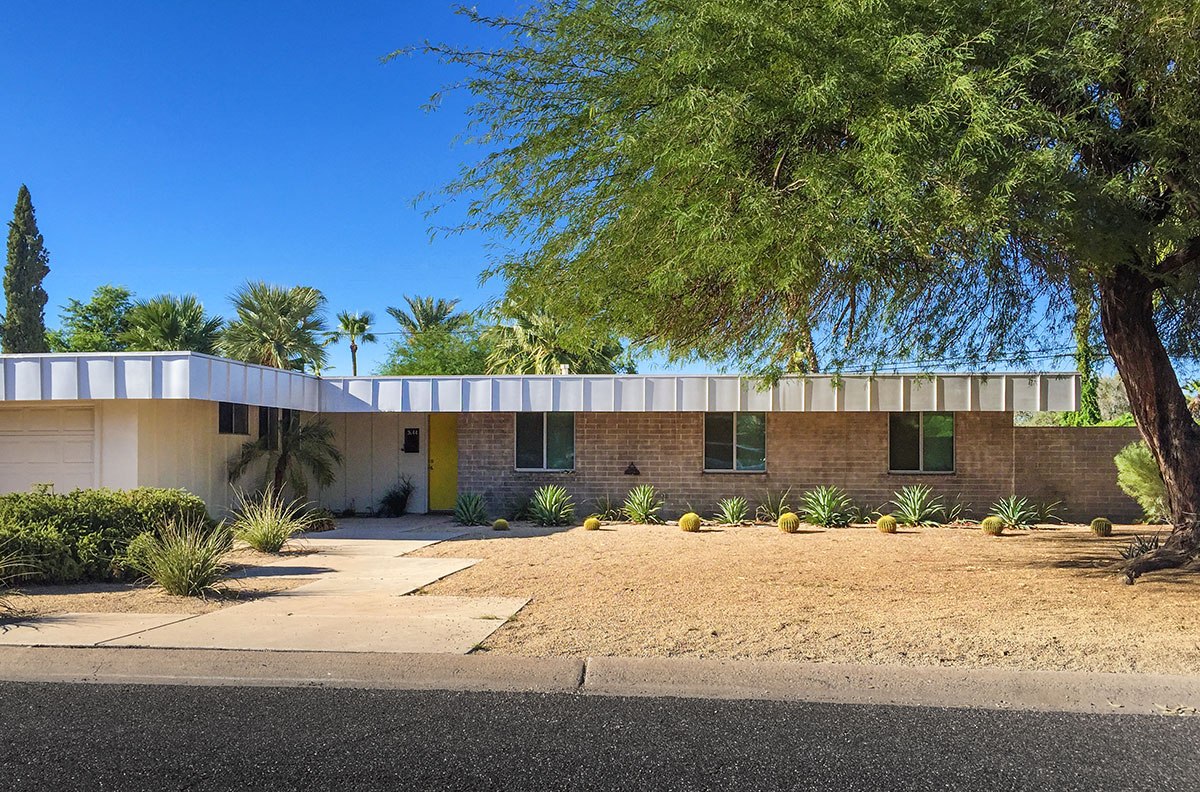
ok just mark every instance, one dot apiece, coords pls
pixel 999 689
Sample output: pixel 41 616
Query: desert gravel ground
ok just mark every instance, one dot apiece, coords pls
pixel 1044 599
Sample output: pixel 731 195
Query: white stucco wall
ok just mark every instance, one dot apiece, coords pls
pixel 371 444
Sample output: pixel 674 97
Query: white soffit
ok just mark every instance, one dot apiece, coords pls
pixel 187 375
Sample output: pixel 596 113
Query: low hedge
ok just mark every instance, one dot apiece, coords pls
pixel 83 535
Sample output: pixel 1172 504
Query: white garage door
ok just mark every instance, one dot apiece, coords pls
pixel 47 445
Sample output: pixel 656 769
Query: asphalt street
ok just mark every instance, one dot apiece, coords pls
pixel 127 737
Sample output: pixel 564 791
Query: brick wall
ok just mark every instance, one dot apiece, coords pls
pixel 804 450
pixel 1075 465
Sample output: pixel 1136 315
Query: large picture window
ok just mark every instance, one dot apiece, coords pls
pixel 545 441
pixel 921 442
pixel 735 441
pixel 233 418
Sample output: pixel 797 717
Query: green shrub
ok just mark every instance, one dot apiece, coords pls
pixel 266 522
pixel 395 501
pixel 48 555
pixel 642 505
pixel 828 507
pixel 469 509
pixel 886 524
pixel 1102 526
pixel 81 535
pixel 992 526
pixel 789 523
pixel 731 511
pixel 591 524
pixel 773 505
pixel 916 505
pixel 551 505
pixel 1138 475
pixel 185 557
pixel 500 525
pixel 690 522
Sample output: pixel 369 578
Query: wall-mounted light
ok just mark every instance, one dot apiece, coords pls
pixel 632 470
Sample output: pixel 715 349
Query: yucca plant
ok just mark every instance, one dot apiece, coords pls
pixel 773 505
pixel 828 507
pixel 731 511
pixel 642 504
pixel 267 522
pixel 916 505
pixel 551 505
pixel 184 557
pixel 1015 512
pixel 469 509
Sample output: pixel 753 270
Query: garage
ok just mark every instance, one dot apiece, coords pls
pixel 53 445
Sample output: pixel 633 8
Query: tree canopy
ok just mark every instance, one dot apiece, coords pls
pixel 167 323
pixel 98 325
pixel 277 326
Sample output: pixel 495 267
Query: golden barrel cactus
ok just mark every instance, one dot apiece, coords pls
pixel 886 524
pixel 992 526
pixel 690 522
pixel 500 525
pixel 789 523
pixel 591 524
pixel 1102 526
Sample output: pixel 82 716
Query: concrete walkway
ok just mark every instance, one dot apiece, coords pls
pixel 355 603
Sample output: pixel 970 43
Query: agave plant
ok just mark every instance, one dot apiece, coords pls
pixel 773 505
pixel 1140 546
pixel 469 509
pixel 551 505
pixel 605 509
pixel 731 511
pixel 642 504
pixel 1015 512
pixel 828 507
pixel 916 505
pixel 861 514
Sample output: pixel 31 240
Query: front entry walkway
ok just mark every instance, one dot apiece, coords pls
pixel 357 602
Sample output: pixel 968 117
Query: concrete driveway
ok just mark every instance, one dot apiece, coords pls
pixel 357 602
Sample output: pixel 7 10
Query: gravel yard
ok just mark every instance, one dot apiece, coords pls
pixel 1043 599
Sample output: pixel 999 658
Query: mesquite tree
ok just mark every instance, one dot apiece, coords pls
pixel 850 181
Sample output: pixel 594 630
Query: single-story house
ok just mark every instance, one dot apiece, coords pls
pixel 174 419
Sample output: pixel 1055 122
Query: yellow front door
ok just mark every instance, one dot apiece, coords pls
pixel 443 461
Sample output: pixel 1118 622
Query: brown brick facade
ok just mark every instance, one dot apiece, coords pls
pixel 804 450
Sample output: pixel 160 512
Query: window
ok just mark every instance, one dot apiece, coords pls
pixel 233 418
pixel 268 427
pixel 735 441
pixel 545 441
pixel 921 442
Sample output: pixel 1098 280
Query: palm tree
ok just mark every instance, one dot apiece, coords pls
pixel 167 323
pixel 356 327
pixel 533 342
pixel 277 326
pixel 427 313
pixel 301 450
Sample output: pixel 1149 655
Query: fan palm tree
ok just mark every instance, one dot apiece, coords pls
pixel 357 328
pixel 427 313
pixel 167 323
pixel 533 342
pixel 277 326
pixel 302 450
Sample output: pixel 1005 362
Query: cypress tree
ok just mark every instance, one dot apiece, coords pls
pixel 24 326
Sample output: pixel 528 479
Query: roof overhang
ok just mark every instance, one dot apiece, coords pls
pixel 188 375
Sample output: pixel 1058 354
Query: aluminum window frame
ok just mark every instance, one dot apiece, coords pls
pixel 733 444
pixel 921 471
pixel 545 445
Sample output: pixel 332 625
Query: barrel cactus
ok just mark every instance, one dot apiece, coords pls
pixel 789 522
pixel 1102 526
pixel 690 522
pixel 886 524
pixel 992 526
pixel 500 525
pixel 591 524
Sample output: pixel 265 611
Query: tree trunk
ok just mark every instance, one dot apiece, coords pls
pixel 353 359
pixel 1160 409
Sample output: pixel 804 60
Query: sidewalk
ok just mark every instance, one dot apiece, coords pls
pixel 1047 691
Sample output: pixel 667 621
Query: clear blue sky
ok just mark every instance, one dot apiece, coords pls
pixel 189 147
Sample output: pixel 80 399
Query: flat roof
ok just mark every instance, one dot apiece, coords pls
pixel 190 375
